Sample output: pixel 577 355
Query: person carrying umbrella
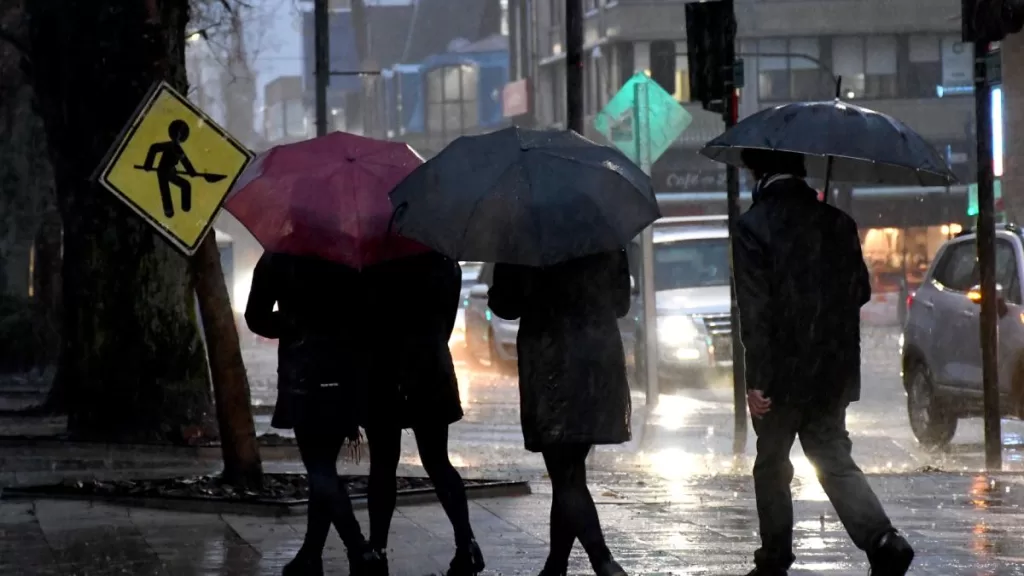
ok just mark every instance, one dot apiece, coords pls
pixel 554 211
pixel 800 282
pixel 413 385
pixel 321 380
pixel 572 383
pixel 320 208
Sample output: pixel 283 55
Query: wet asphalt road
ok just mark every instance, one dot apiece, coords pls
pixel 690 432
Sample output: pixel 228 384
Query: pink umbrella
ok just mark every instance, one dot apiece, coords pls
pixel 326 197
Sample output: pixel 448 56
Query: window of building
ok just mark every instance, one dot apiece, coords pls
pixel 848 64
pixel 923 68
pixel 452 105
pixel 773 73
pixel 296 124
pixel 804 72
pixel 880 80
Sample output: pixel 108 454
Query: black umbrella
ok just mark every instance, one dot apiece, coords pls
pixel 532 197
pixel 839 140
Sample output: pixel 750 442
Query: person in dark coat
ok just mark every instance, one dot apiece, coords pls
pixel 572 383
pixel 413 385
pixel 800 283
pixel 321 385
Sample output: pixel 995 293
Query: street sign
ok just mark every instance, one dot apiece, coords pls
pixel 972 197
pixel 666 118
pixel 174 166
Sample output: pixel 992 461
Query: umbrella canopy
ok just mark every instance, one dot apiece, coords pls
pixel 865 146
pixel 326 197
pixel 532 197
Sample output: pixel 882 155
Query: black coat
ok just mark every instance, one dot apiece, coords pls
pixel 320 328
pixel 572 371
pixel 412 381
pixel 800 283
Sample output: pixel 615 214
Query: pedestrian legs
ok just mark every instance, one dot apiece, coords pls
pixel 573 508
pixel 432 443
pixel 827 445
pixel 773 474
pixel 319 447
pixel 385 450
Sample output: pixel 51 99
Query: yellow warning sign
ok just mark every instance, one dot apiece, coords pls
pixel 174 166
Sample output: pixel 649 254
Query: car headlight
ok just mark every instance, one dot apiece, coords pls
pixel 676 330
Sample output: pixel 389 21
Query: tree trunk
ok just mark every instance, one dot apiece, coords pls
pixel 132 359
pixel 242 466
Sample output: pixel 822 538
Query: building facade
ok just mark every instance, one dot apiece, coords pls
pixel 900 57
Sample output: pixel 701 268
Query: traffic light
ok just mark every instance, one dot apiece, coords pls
pixel 991 20
pixel 663 64
pixel 710 49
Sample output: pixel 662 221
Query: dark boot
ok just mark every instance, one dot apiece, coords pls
pixel 892 556
pixel 304 565
pixel 610 568
pixel 360 561
pixel 378 564
pixel 552 570
pixel 468 561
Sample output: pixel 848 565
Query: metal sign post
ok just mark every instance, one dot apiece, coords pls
pixel 986 240
pixel 642 135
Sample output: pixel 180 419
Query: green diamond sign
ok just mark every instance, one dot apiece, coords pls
pixel 666 118
pixel 972 197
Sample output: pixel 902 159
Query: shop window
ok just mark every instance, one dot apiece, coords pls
pixel 880 78
pixel 923 73
pixel 790 70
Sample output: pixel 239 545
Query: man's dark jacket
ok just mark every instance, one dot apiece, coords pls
pixel 800 283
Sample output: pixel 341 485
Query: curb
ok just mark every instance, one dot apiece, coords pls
pixel 267 508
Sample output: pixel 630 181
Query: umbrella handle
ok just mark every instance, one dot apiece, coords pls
pixel 394 214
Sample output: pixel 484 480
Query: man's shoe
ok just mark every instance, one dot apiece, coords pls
pixel 892 556
pixel 468 561
pixel 360 561
pixel 304 565
pixel 377 564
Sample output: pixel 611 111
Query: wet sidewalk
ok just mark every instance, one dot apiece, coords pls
pixel 960 524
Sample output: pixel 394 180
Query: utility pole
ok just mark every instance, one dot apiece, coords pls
pixel 986 241
pixel 574 64
pixel 730 114
pixel 321 49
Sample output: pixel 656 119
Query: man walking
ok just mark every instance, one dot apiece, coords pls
pixel 800 283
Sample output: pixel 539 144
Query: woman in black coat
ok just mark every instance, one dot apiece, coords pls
pixel 321 385
pixel 572 383
pixel 413 385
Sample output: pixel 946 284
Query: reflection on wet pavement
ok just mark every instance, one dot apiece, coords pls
pixel 675 500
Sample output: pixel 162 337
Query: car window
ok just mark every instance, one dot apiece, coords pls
pixel 957 269
pixel 486 275
pixel 691 263
pixel 1006 270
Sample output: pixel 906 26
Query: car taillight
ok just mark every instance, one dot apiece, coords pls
pixel 910 300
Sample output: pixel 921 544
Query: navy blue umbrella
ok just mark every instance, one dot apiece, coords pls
pixel 518 196
pixel 862 146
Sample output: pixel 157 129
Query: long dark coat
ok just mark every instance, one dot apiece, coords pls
pixel 320 327
pixel 800 283
pixel 572 371
pixel 414 302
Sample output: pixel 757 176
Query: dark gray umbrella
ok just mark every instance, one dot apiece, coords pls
pixel 532 197
pixel 864 146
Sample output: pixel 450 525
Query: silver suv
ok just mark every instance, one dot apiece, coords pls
pixel 940 344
